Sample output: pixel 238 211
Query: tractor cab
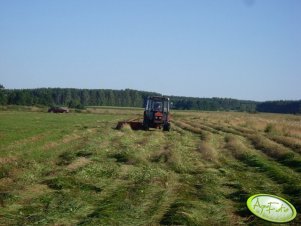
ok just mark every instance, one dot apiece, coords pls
pixel 156 113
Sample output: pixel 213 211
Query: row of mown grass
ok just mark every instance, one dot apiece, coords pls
pixel 256 171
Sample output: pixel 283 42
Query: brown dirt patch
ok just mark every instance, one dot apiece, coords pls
pixel 7 160
pixel 33 191
pixel 80 162
pixel 5 183
pixel 69 138
pixel 66 139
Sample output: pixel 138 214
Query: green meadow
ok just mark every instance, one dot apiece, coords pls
pixel 77 169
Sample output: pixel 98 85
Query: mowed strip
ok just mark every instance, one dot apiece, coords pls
pixel 239 176
pixel 262 142
pixel 28 162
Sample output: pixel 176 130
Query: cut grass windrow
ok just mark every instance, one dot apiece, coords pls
pixel 205 136
pixel 282 154
pixel 276 151
pixel 287 178
pixel 288 142
pixel 202 126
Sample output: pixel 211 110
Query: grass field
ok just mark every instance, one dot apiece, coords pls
pixel 76 169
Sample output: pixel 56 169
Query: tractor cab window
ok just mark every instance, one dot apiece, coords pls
pixel 157 106
pixel 166 106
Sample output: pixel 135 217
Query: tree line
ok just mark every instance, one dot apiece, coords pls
pixel 75 98
pixel 78 98
pixel 281 106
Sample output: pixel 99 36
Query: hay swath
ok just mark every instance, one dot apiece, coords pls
pixel 135 124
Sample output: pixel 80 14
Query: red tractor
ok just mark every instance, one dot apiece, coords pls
pixel 156 113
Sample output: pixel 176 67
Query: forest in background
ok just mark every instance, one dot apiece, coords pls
pixel 79 98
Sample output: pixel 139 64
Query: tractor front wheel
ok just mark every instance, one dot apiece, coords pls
pixel 145 125
pixel 166 127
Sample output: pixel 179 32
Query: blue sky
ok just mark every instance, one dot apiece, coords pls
pixel 241 49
